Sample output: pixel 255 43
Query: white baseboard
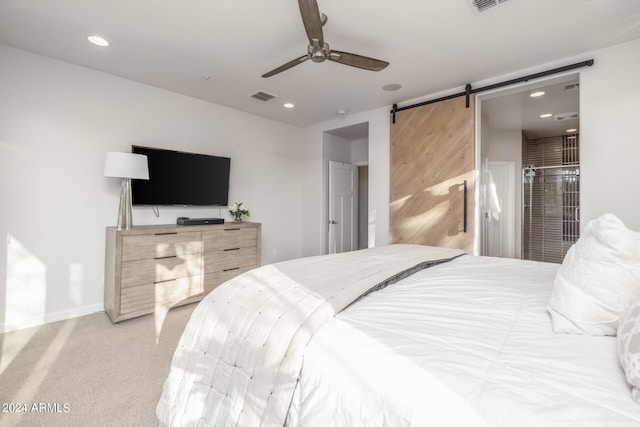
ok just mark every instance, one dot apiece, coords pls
pixel 55 317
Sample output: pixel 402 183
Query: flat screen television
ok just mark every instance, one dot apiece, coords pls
pixel 182 179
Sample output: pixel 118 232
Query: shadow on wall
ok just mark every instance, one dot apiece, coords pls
pixel 25 296
pixel 26 287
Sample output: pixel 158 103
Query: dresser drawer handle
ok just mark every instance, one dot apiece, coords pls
pixel 231 249
pixel 166 257
pixel 231 269
pixel 166 233
pixel 163 281
pixel 231 229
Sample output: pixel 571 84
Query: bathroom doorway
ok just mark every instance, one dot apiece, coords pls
pixel 534 129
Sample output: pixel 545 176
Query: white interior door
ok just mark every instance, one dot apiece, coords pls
pixel 343 207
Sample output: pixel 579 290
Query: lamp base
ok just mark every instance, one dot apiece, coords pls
pixel 124 212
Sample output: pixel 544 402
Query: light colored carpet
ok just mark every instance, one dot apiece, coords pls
pixel 87 371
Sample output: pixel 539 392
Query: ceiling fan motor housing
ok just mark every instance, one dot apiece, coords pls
pixel 317 53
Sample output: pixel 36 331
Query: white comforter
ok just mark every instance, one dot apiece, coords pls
pixel 239 358
pixel 465 343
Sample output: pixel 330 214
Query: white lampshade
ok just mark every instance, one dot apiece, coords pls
pixel 126 165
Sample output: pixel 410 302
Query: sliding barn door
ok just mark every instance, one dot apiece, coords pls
pixel 432 156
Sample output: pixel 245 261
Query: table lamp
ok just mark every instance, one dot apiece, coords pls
pixel 127 166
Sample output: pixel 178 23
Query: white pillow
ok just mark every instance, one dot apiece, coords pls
pixel 598 279
pixel 629 347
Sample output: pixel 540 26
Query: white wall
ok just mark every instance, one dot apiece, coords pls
pixel 363 207
pixel 610 135
pixel 609 138
pixel 360 151
pixel 609 131
pixel 335 148
pixel 314 199
pixel 57 121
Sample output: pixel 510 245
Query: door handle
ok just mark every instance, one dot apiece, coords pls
pixel 333 222
pixel 464 209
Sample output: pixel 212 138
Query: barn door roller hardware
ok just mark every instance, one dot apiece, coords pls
pixel 468 90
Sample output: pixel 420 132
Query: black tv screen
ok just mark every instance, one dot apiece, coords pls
pixel 180 178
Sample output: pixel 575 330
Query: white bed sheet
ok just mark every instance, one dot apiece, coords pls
pixel 465 343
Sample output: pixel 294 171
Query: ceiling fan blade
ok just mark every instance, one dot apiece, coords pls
pixel 357 60
pixel 286 66
pixel 312 21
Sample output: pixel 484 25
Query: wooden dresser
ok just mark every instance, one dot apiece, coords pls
pixel 156 267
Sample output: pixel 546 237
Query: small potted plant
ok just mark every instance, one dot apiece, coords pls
pixel 238 211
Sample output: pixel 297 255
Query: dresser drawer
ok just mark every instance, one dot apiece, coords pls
pixel 160 245
pixel 230 259
pixel 213 280
pixel 229 238
pixel 160 269
pixel 156 267
pixel 149 297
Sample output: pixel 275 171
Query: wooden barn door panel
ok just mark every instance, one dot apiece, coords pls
pixel 432 154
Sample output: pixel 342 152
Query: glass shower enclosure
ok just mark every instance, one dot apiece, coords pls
pixel 550 198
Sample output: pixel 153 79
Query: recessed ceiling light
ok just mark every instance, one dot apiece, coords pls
pixel 288 105
pixel 98 41
pixel 545 115
pixel 572 130
pixel 391 87
pixel 536 94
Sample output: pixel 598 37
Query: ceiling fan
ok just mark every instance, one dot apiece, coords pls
pixel 318 50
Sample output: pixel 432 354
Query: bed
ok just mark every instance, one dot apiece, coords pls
pixel 466 343
pixel 444 339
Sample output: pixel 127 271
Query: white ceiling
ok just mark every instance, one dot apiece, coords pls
pixel 432 46
pixel 515 109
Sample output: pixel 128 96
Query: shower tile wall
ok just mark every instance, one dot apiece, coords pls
pixel 551 202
